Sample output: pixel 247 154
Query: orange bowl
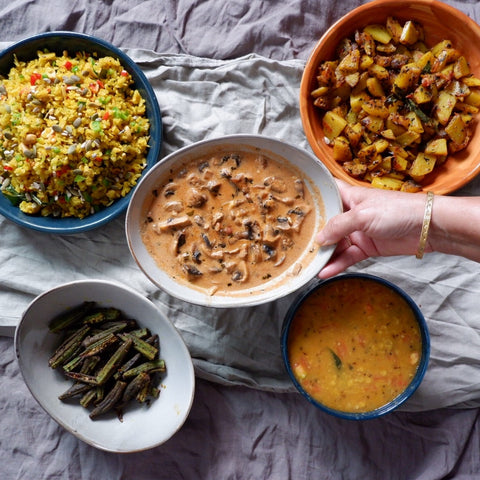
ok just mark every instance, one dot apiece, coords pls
pixel 440 22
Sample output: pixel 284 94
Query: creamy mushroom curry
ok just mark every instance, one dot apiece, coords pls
pixel 231 221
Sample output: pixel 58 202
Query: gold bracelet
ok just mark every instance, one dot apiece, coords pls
pixel 427 216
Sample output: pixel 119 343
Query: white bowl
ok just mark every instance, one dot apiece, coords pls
pixel 142 428
pixel 317 179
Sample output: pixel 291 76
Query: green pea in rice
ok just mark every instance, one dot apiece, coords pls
pixel 73 134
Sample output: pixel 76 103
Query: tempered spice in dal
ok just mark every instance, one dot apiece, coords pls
pixel 354 345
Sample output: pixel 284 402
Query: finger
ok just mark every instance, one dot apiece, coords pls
pixel 341 261
pixel 336 229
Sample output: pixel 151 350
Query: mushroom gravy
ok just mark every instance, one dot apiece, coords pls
pixel 231 221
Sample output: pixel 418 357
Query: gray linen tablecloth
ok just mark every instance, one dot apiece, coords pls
pixel 219 68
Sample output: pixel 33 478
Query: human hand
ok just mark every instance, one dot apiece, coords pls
pixel 375 223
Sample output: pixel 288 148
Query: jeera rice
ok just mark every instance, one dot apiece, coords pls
pixel 73 134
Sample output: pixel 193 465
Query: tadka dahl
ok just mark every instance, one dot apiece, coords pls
pixel 354 345
pixel 231 221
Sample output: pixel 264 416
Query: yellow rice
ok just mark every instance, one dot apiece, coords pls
pixel 73 134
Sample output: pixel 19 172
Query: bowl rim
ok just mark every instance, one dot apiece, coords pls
pixel 70 225
pixel 133 293
pixel 248 141
pixel 414 383
pixel 307 112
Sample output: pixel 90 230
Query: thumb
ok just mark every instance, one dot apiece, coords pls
pixel 336 228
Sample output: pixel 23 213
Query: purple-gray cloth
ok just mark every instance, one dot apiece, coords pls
pixel 222 67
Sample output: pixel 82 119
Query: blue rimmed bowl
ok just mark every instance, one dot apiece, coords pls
pixel 298 380
pixel 73 42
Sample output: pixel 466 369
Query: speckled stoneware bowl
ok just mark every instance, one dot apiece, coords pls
pixel 318 180
pixel 142 428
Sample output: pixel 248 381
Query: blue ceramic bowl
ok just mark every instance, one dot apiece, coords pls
pixel 402 397
pixel 72 42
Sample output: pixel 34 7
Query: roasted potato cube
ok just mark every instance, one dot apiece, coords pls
pixel 365 62
pixel 350 63
pixel 444 104
pixel 461 68
pixel 379 33
pixel 456 129
pixel 326 73
pixel 422 165
pixel 375 107
pixel 319 92
pixel 388 134
pixel 407 77
pixel 380 72
pixel 381 145
pixel 444 58
pixel 425 62
pixel 436 147
pixel 341 149
pixel 355 169
pixel 357 100
pixel 473 98
pixel 410 186
pixel 354 133
pixel 471 81
pixel 400 164
pixel 414 122
pixel 394 28
pixel 442 45
pixel 373 123
pixel 352 79
pixel 422 95
pixel 374 87
pixel 407 138
pixel 387 183
pixel 467 110
pixel 410 33
pixel 333 125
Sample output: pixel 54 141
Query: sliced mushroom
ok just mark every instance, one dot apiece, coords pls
pixel 255 255
pixel 276 184
pixel 213 186
pixel 170 189
pixel 299 188
pixel 240 274
pixel 173 206
pixel 206 241
pixel 172 223
pixel 269 251
pixel 191 270
pixel 195 198
pixel 179 240
pixel 270 235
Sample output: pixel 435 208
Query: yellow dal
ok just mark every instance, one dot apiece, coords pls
pixel 354 345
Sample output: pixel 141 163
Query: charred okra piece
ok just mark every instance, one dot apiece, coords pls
pixel 73 316
pixel 141 346
pixel 114 362
pixel 99 346
pixel 68 348
pixel 82 377
pixel 110 400
pixel 74 390
pixel 157 365
pixel 111 359
pixel 135 386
